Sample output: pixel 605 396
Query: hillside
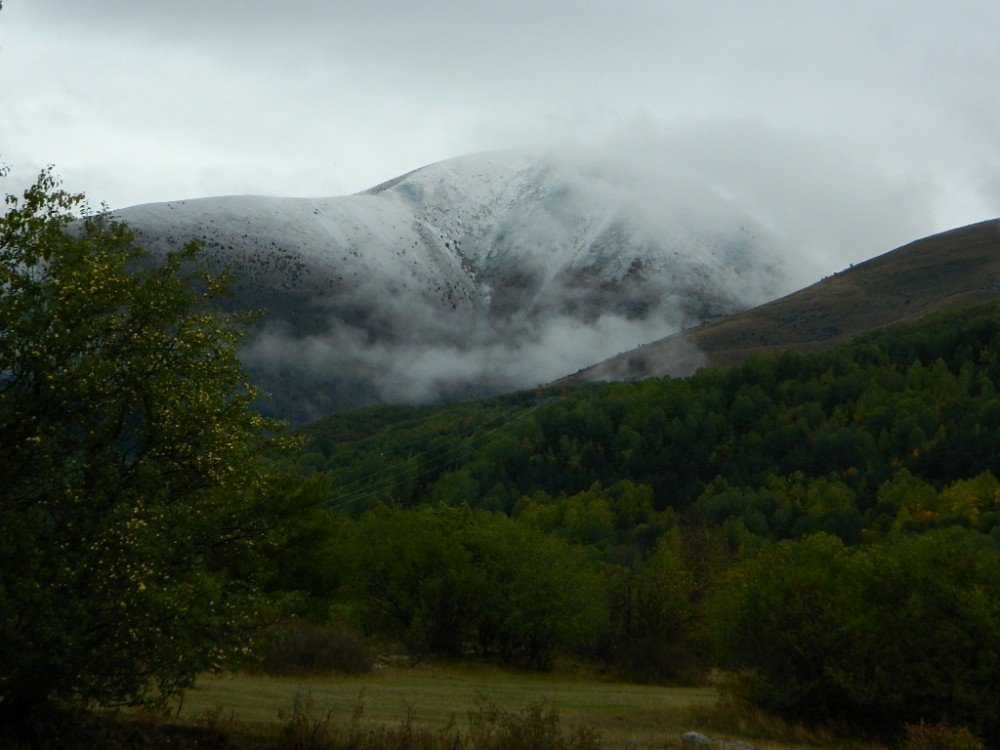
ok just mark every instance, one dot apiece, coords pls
pixel 468 277
pixel 838 506
pixel 945 270
pixel 918 397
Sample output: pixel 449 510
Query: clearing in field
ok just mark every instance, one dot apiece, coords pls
pixel 431 696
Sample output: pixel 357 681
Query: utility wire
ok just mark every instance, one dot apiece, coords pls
pixel 461 436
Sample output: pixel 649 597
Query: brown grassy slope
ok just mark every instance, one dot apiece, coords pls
pixel 953 268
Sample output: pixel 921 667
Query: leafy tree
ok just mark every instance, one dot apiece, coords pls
pixel 447 579
pixel 876 636
pixel 857 441
pixel 136 511
pixel 652 615
pixel 541 594
pixel 412 577
pixel 598 517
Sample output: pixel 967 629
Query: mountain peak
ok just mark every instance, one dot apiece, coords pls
pixel 470 276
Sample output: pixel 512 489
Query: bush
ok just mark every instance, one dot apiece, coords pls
pixel 534 728
pixel 305 648
pixel 940 736
pixel 875 637
pixel 306 727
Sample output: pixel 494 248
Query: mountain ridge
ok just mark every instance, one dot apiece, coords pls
pixel 467 277
pixel 955 267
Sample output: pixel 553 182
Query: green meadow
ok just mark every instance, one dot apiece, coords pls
pixel 432 696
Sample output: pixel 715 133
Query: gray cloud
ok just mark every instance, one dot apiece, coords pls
pixel 847 128
pixel 418 372
pixel 477 275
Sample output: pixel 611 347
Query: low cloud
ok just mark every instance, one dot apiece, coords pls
pixel 823 203
pixel 399 372
pixel 715 225
pixel 583 253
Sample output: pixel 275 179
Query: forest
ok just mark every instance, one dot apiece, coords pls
pixel 783 445
pixel 827 526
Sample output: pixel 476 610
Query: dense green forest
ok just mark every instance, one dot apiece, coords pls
pixel 897 430
pixel 808 502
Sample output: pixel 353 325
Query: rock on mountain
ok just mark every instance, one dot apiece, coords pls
pixel 467 277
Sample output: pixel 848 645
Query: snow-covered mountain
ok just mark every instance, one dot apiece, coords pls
pixel 470 276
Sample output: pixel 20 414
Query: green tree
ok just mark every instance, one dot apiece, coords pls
pixel 136 512
pixel 412 578
pixel 448 579
pixel 541 594
pixel 652 615
pixel 876 636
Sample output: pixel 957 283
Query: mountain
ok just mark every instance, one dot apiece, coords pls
pixel 958 267
pixel 468 277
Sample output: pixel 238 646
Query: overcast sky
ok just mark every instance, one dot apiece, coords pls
pixel 848 127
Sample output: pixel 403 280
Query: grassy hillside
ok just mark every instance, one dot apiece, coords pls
pixel 947 270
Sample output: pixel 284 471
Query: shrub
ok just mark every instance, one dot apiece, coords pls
pixel 534 728
pixel 877 637
pixel 940 736
pixel 304 648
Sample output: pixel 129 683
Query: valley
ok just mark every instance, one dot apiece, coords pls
pixel 814 526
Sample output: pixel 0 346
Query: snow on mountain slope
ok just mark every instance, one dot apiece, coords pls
pixel 469 276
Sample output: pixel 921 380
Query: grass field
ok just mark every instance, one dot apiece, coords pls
pixel 433 695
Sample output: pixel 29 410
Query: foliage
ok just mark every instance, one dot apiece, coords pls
pixel 895 434
pixel 302 647
pixel 447 580
pixel 782 446
pixel 385 454
pixel 136 513
pixel 653 616
pixel 873 636
pixel 611 519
